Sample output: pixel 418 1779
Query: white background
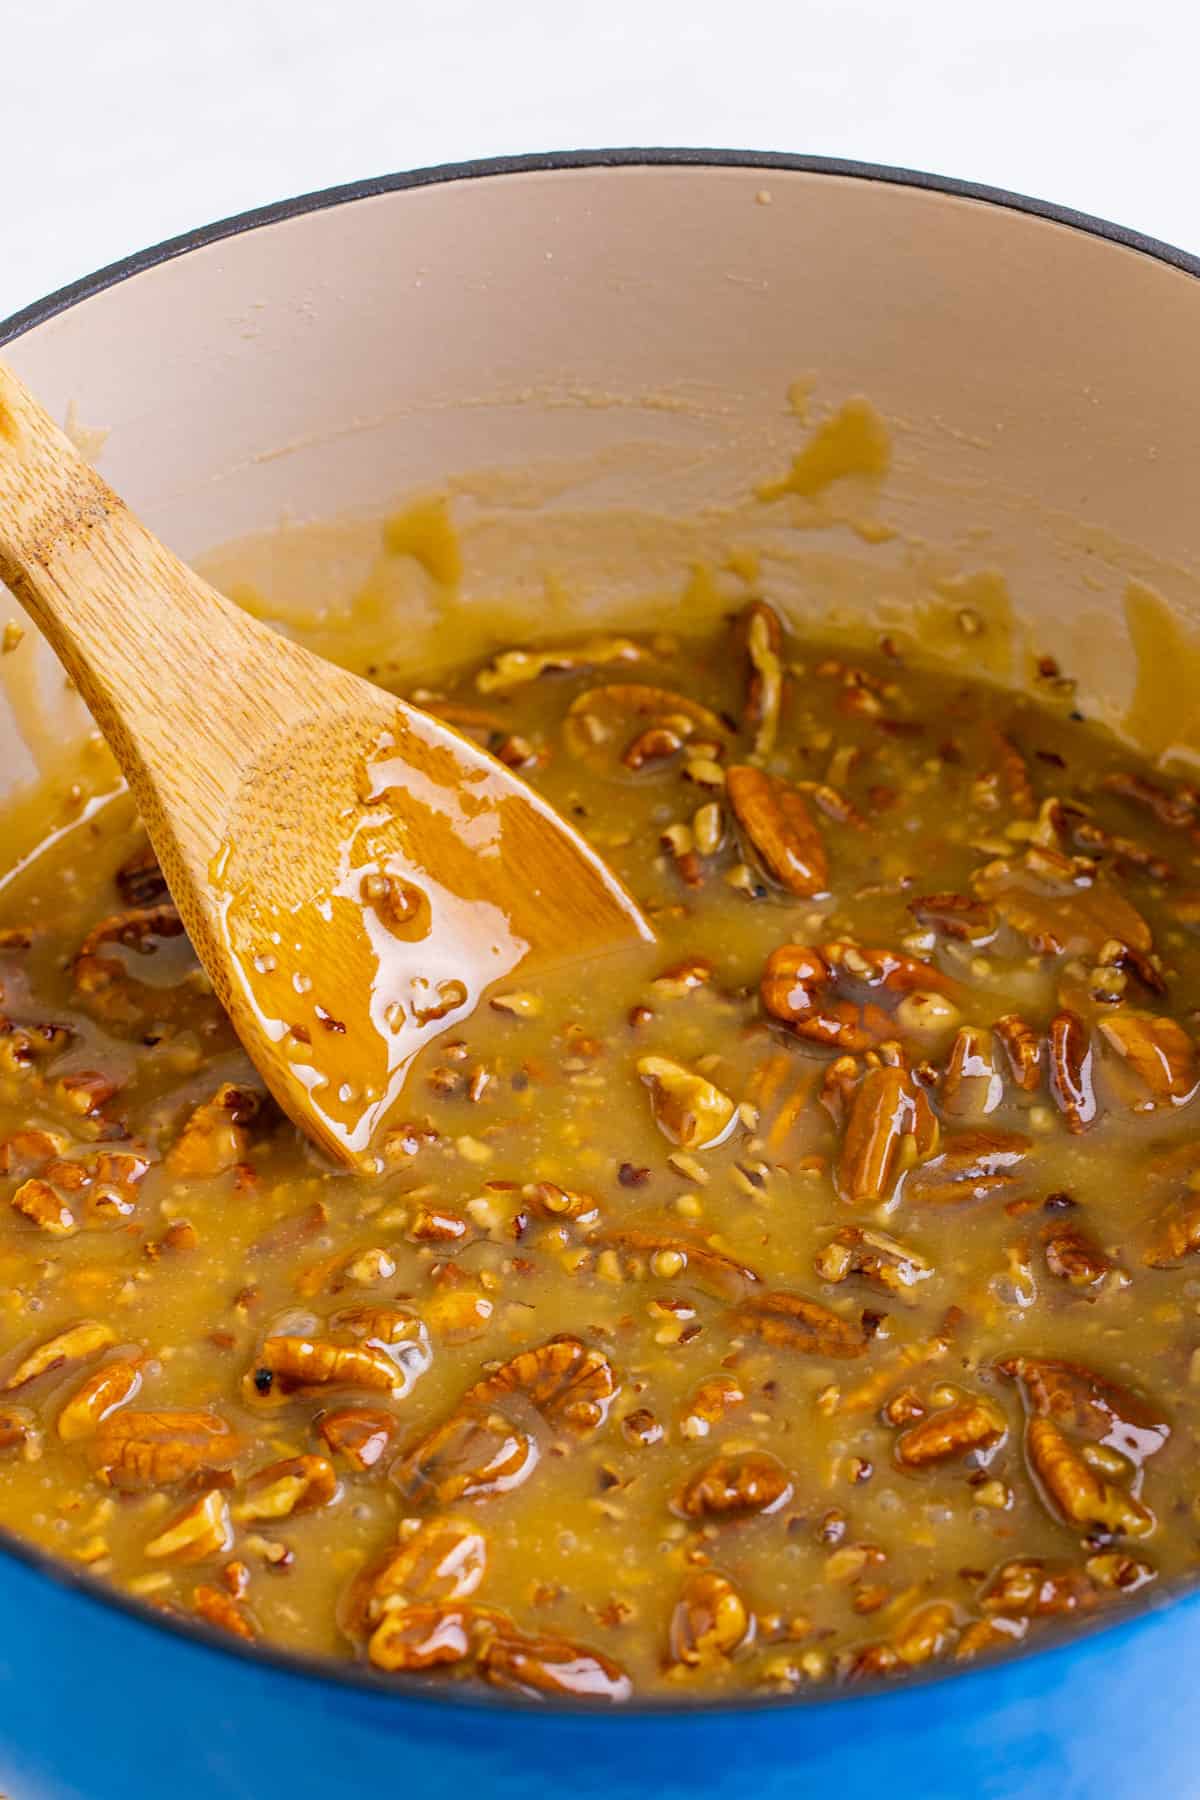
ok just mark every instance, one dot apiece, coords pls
pixel 125 121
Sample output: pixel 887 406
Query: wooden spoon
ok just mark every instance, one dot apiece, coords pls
pixel 352 873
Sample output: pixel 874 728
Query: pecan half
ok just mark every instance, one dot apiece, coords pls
pixel 444 1560
pixel 1030 1588
pixel 1105 1411
pixel 1176 1233
pixel 732 1486
pixel 201 1530
pixel 791 1322
pixel 880 1260
pixel 568 1384
pixel 536 1666
pixel 710 1620
pixel 1014 774
pixel 1060 908
pixel 1158 1051
pixel 154 1449
pixel 217 1134
pixel 1179 810
pixel 387 1352
pixel 974 1165
pixel 100 1394
pixel 296 1484
pixel 1023 1047
pixel 891 1124
pixel 1072 1084
pixel 971 1085
pixel 466 1457
pixel 140 881
pixel 778 828
pixel 926 1634
pixel 361 1434
pixel 688 1109
pixel 973 1424
pixel 1075 1257
pixel 662 720
pixel 1081 1495
pixel 74 1344
pixel 842 995
pixel 103 978
pixel 955 916
pixel 411 1638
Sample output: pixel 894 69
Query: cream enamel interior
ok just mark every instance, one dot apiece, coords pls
pixel 595 364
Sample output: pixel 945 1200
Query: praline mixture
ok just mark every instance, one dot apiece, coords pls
pixel 805 1298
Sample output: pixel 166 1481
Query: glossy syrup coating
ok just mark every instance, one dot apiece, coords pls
pixel 805 1298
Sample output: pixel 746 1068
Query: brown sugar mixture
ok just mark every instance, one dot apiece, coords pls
pixel 811 1296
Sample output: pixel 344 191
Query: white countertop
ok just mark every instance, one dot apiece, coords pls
pixel 142 118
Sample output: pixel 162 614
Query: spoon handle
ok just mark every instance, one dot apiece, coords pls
pixel 177 678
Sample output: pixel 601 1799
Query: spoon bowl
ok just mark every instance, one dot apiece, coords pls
pixel 352 872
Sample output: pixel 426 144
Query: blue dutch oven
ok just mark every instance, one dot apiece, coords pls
pixel 633 320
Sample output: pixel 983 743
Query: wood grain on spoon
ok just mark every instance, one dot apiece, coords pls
pixel 353 873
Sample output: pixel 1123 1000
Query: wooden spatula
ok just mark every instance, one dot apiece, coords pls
pixel 352 873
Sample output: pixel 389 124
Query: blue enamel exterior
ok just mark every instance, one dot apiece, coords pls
pixel 99 1704
pixel 98 1701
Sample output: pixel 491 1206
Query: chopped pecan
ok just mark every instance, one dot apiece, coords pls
pixel 569 1671
pixel 688 1109
pixel 218 1608
pixel 140 881
pixel 1081 1495
pixel 972 1424
pixel 444 1560
pixel 513 668
pixel 761 635
pixel 563 1203
pixel 712 1399
pixel 388 1351
pixel 731 1486
pixel 569 1385
pixel 710 1620
pixel 468 1456
pixel 1158 1051
pixel 982 1635
pixel 1057 906
pixel 297 1484
pixel 673 1258
pixel 1014 774
pixel 1075 1257
pixel 955 916
pixel 28 1150
pixel 774 820
pixel 839 994
pixel 882 1381
pixel 74 1344
pixel 154 1449
pixel 974 1165
pixel 880 1260
pixel 790 1322
pixel 199 1531
pixel 1023 1047
pixel 100 1394
pixel 1030 1588
pixel 359 1433
pixel 1075 827
pixel 1072 1085
pixel 926 1634
pixel 24 1045
pixel 1176 1232
pixel 891 1124
pixel 217 1135
pixel 19 1431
